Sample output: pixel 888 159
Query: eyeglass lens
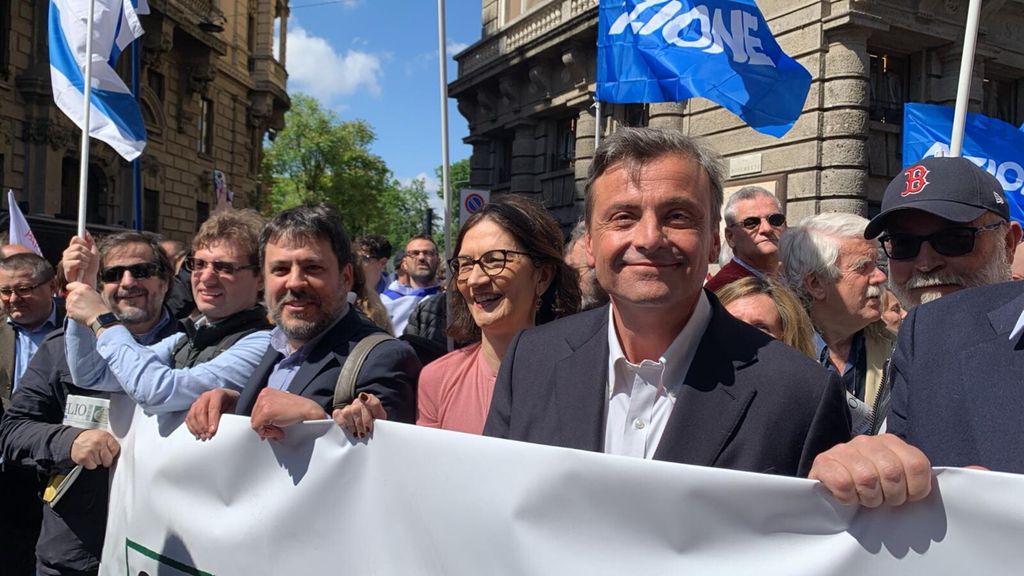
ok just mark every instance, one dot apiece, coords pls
pixel 774 220
pixel 139 271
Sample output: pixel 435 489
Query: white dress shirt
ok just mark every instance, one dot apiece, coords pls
pixel 641 396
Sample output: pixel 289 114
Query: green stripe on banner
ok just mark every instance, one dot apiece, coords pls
pixel 179 566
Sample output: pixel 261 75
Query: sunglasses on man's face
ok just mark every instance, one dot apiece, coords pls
pixel 753 222
pixel 954 241
pixel 138 271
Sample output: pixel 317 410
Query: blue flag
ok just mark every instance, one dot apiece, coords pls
pixel 722 50
pixel 992 144
pixel 114 112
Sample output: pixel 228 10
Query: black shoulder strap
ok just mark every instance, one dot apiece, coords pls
pixel 345 387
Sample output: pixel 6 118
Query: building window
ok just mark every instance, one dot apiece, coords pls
pixel 516 8
pixel 205 145
pixel 889 77
pixel 156 83
pixel 202 213
pixel 503 160
pixel 565 144
pixel 5 39
pixel 1000 100
pixel 635 115
pixel 151 210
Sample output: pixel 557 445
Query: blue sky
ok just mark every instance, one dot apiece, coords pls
pixel 377 60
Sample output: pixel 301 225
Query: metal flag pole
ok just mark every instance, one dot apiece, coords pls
pixel 137 163
pixel 963 91
pixel 443 57
pixel 83 166
pixel 597 123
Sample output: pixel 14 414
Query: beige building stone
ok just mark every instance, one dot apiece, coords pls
pixel 211 90
pixel 526 88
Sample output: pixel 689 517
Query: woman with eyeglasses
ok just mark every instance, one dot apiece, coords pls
pixel 507 275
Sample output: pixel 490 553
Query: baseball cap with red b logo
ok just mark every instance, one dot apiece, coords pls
pixel 951 188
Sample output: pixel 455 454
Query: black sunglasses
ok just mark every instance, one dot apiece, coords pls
pixel 193 264
pixel 774 220
pixel 139 271
pixel 955 241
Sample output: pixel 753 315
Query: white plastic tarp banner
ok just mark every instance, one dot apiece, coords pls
pixel 419 501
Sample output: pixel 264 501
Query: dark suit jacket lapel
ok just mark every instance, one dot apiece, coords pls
pixel 712 400
pixel 582 387
pixel 323 354
pixel 258 381
pixel 6 358
pixel 980 400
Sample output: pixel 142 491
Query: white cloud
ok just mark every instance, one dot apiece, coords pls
pixel 431 185
pixel 317 69
pixel 454 47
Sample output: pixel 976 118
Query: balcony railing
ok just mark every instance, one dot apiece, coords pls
pixel 522 32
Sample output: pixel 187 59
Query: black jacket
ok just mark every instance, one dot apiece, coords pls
pixel 32 436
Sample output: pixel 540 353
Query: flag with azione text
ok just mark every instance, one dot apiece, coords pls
pixel 722 50
pixel 994 145
pixel 114 117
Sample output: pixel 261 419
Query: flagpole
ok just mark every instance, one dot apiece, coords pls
pixel 443 57
pixel 963 92
pixel 83 167
pixel 137 163
pixel 597 123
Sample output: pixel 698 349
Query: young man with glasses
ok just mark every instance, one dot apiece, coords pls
pixel 753 224
pixel 219 349
pixel 421 263
pixel 33 435
pixel 945 226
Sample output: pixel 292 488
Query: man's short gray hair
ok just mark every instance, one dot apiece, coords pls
pixel 41 270
pixel 577 232
pixel 812 247
pixel 746 193
pixel 635 147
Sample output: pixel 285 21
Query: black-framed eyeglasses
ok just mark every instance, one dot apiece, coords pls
pixel 492 262
pixel 954 241
pixel 139 271
pixel 22 291
pixel 193 264
pixel 424 253
pixel 776 220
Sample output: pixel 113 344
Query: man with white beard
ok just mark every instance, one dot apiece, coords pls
pixel 828 263
pixel 945 226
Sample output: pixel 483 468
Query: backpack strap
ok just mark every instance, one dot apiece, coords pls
pixel 345 387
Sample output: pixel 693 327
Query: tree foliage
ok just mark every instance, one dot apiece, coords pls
pixel 320 158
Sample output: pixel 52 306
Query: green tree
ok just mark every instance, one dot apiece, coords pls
pixel 320 158
pixel 458 179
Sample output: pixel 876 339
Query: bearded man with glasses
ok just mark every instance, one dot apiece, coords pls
pixel 956 370
pixel 221 348
pixel 753 224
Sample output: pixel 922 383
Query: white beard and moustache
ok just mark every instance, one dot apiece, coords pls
pixel 996 270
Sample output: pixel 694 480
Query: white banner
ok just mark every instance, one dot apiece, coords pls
pixel 421 501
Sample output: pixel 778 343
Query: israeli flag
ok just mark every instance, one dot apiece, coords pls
pixel 722 50
pixel 992 144
pixel 114 117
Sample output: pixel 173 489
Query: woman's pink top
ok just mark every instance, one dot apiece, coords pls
pixel 455 391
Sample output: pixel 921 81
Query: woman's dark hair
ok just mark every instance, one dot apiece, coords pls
pixel 537 234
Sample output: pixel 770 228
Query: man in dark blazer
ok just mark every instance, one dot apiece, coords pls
pixel 307 266
pixel 663 372
pixel 956 399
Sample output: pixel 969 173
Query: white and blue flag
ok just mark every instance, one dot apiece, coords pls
pixel 114 117
pixel 722 50
pixel 994 145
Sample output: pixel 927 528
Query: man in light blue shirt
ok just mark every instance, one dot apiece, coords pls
pixel 27 285
pixel 219 349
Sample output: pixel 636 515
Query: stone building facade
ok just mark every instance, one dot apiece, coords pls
pixel 211 88
pixel 526 88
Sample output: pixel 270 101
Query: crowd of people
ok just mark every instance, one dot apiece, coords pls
pixel 797 358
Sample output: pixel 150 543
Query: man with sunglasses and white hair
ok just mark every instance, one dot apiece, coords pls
pixel 753 224
pixel 956 369
pixel 219 349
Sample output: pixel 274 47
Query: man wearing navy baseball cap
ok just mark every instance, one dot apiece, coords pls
pixel 945 226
